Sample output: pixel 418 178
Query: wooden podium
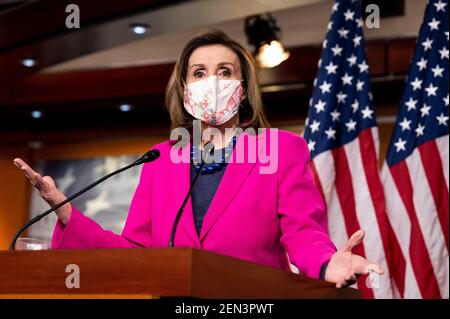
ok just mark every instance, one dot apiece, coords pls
pixel 150 273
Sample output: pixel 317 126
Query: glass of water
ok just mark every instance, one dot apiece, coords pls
pixel 32 244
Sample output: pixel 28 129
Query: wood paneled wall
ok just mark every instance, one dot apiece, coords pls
pixel 14 194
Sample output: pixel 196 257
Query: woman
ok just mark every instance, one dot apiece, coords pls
pixel 236 210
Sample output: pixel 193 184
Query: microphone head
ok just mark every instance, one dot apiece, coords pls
pixel 150 156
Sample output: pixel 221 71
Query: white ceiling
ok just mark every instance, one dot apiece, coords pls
pixel 302 22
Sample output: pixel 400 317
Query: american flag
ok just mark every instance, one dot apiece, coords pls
pixel 415 174
pixel 342 136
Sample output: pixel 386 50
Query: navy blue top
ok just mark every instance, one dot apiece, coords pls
pixel 203 194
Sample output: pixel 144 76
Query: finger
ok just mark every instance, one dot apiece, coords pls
pixel 341 284
pixel 35 178
pixel 49 181
pixel 354 240
pixel 374 268
pixel 350 280
pixel 27 170
pixel 39 182
pixel 19 162
pixel 361 266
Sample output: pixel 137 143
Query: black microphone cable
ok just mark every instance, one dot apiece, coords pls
pixel 209 150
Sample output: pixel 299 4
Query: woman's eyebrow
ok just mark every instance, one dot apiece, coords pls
pixel 219 64
pixel 224 63
pixel 201 65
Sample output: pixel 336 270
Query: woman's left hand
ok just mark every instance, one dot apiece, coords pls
pixel 344 266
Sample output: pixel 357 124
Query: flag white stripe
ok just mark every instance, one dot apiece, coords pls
pixel 336 221
pixel 395 291
pixel 324 163
pixel 326 173
pixel 428 219
pixel 376 141
pixel 365 212
pixel 401 225
pixel 442 144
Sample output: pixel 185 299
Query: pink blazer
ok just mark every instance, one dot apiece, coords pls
pixel 270 219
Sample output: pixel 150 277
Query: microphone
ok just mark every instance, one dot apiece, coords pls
pixel 209 149
pixel 147 157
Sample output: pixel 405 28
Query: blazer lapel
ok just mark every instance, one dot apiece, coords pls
pixel 232 180
pixel 181 180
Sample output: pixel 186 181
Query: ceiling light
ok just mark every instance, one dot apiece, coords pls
pixel 35 145
pixel 125 107
pixel 264 34
pixel 29 63
pixel 271 55
pixel 139 28
pixel 36 114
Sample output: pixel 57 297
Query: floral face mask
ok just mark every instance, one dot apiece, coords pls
pixel 212 100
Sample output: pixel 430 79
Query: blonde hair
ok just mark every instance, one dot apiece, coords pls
pixel 251 112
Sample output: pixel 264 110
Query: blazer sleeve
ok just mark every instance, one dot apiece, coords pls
pixel 82 232
pixel 301 209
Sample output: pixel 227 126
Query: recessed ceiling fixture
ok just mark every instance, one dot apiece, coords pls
pixel 139 28
pixel 125 107
pixel 28 62
pixel 35 145
pixel 264 33
pixel 36 114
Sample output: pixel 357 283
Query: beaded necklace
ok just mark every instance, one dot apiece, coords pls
pixel 211 168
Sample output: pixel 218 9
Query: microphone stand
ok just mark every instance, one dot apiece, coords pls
pixel 209 149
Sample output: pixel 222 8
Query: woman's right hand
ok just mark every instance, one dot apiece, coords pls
pixel 47 189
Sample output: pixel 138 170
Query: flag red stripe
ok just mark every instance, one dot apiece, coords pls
pixel 317 180
pixel 394 256
pixel 432 164
pixel 420 259
pixel 344 189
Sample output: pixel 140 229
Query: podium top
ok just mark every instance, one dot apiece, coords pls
pixel 162 272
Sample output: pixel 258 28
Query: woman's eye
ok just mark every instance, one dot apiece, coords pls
pixel 198 74
pixel 225 73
